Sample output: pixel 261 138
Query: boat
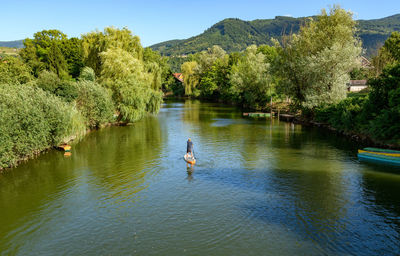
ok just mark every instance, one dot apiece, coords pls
pixel 383 156
pixel 190 160
pixel 66 148
pixel 257 114
pixel 382 150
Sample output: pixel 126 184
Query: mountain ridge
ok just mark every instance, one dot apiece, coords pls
pixel 12 44
pixel 234 34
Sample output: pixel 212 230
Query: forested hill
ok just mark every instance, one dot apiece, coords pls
pixel 236 35
pixel 12 44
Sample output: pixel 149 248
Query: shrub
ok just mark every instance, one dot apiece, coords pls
pixel 13 70
pixel 50 82
pixel 346 115
pixel 32 120
pixel 88 74
pixel 95 103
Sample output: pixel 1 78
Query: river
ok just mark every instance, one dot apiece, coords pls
pixel 259 187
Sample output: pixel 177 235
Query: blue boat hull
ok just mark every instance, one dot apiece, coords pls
pixel 378 159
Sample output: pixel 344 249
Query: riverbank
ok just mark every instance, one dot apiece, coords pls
pixel 358 137
pixel 287 114
pixel 35 153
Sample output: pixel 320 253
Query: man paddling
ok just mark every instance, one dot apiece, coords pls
pixel 189 148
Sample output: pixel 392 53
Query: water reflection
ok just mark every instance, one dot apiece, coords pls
pixel 271 186
pixel 106 168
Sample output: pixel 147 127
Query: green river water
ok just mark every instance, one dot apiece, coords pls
pixel 259 187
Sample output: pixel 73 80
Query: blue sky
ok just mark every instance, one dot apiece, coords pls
pixel 155 20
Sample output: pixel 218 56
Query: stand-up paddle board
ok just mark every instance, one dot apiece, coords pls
pixel 189 159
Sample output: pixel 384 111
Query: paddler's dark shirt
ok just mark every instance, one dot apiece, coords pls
pixel 189 146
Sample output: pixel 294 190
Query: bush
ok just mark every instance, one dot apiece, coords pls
pixel 87 74
pixel 32 120
pixel 383 106
pixel 376 115
pixel 177 88
pixel 346 115
pixel 13 70
pixel 50 82
pixel 95 103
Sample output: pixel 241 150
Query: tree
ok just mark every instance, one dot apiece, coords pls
pixel 251 80
pixel 215 78
pixel 190 78
pixel 314 65
pixel 94 43
pixel 94 103
pixel 160 67
pixel 206 59
pixel 51 50
pixel 392 44
pixel 131 83
pixel 380 61
pixel 73 54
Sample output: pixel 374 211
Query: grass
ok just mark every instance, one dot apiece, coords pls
pixel 8 51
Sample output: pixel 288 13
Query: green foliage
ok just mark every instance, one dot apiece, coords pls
pixel 51 83
pixel 73 54
pixel 236 35
pixel 190 78
pixel 359 74
pixel 243 78
pixel 392 44
pixel 32 120
pixel 389 54
pixel 94 103
pixel 51 50
pixel 87 74
pixel 176 62
pixel 251 80
pixel 346 115
pixel 14 71
pixel 57 107
pixel 134 99
pixel 314 65
pixel 380 61
pixel 134 83
pixel 377 115
pixel 95 43
pixel 177 88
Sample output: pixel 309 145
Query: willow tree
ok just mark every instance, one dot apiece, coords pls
pixel 132 85
pixel 190 77
pixel 94 43
pixel 314 65
pixel 117 58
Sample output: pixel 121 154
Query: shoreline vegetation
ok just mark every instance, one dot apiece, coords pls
pixel 307 74
pixel 58 88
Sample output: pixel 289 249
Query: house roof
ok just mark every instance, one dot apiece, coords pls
pixel 358 82
pixel 178 76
